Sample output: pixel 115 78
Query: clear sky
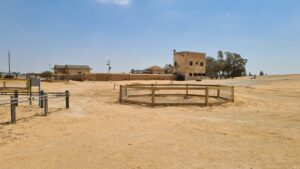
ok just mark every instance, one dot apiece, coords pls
pixel 141 33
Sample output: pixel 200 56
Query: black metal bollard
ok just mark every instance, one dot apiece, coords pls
pixel 16 94
pixel 45 104
pixel 42 99
pixel 13 110
pixel 67 99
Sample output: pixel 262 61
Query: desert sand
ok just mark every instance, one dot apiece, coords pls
pixel 261 129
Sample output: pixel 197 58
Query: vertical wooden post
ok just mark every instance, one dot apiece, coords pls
pixel 16 94
pixel 67 99
pixel 152 95
pixel 187 90
pixel 232 94
pixel 206 96
pixel 42 99
pixel 126 91
pixel 13 110
pixel 218 93
pixel 120 94
pixel 45 104
pixel 114 86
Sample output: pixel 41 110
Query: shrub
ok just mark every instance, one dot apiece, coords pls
pixel 180 77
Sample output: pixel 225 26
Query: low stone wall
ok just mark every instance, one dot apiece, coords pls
pixel 113 77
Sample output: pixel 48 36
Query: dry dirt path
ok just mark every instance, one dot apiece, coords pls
pixel 260 130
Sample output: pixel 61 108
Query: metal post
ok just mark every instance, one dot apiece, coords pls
pixel 13 110
pixel 67 99
pixel 42 99
pixel 16 94
pixel 232 94
pixel 206 96
pixel 153 96
pixel 30 92
pixel 45 105
pixel 120 94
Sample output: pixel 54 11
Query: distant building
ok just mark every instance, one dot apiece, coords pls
pixel 71 69
pixel 155 70
pixel 150 70
pixel 190 64
pixel 140 71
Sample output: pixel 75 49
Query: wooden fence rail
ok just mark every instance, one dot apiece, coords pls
pixel 123 93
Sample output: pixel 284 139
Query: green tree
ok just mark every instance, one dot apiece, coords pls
pixel 211 67
pixel 47 75
pixel 235 65
pixel 168 69
pixel 220 64
pixel 261 73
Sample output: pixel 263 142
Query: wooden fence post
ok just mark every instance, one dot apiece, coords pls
pixel 218 93
pixel 16 94
pixel 232 94
pixel 67 99
pixel 13 110
pixel 153 96
pixel 120 94
pixel 45 104
pixel 187 91
pixel 126 91
pixel 206 96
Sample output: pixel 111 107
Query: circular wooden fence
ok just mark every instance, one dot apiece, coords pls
pixel 175 94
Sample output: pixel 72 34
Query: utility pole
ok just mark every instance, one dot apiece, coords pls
pixel 109 69
pixel 9 63
pixel 109 66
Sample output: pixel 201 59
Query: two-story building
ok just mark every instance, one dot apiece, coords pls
pixel 192 65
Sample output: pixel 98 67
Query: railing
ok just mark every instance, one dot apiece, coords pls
pixel 42 97
pixel 147 94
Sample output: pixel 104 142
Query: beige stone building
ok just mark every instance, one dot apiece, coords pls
pixel 71 69
pixel 190 64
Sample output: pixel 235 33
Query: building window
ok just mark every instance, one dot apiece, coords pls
pixel 191 74
pixel 175 64
pixel 191 63
pixel 195 74
pixel 199 74
pixel 196 63
pixel 201 64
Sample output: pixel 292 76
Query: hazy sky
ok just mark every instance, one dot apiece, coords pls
pixel 141 33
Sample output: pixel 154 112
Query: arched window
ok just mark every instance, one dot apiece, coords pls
pixel 191 63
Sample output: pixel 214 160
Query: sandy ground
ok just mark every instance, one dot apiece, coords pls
pixel 260 130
